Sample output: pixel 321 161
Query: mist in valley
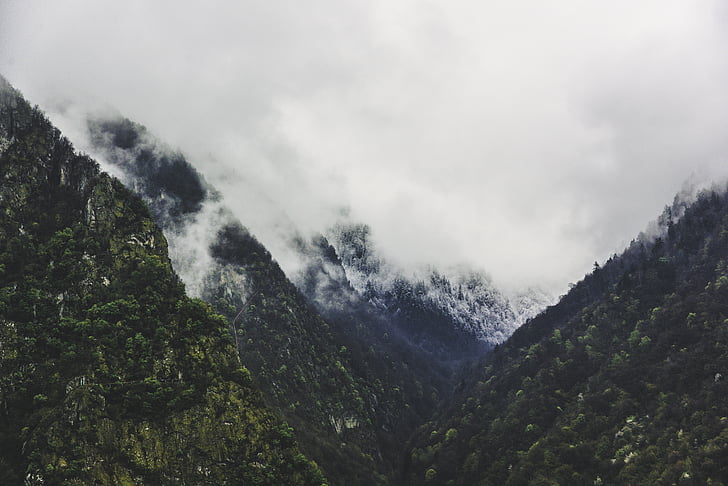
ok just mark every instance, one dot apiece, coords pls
pixel 521 140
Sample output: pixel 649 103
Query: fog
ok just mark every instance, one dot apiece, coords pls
pixel 525 138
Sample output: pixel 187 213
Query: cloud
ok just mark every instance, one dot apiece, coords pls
pixel 526 138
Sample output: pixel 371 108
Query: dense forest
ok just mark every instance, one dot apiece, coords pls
pixel 622 382
pixel 350 384
pixel 111 374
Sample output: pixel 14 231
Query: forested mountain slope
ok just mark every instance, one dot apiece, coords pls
pixel 353 390
pixel 622 382
pixel 109 373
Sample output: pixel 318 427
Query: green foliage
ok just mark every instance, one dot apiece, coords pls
pixel 304 371
pixel 353 393
pixel 353 385
pixel 620 383
pixel 109 374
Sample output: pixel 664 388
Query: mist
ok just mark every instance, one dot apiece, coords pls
pixel 523 138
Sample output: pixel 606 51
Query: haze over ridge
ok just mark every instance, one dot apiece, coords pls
pixel 525 139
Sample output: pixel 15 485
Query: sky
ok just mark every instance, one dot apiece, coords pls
pixel 525 138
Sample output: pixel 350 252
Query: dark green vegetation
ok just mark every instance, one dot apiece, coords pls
pixel 352 390
pixel 109 374
pixel 305 370
pixel 623 382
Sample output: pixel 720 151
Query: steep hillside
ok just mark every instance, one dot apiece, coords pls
pixel 622 382
pixel 109 374
pixel 352 392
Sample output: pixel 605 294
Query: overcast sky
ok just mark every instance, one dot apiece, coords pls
pixel 527 138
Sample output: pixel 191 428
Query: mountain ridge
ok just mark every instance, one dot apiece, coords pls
pixel 109 373
pixel 235 277
pixel 618 383
pixel 330 378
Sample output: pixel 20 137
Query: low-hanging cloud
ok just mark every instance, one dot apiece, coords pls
pixel 527 138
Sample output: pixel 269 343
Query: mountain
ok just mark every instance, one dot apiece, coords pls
pixel 455 315
pixel 109 373
pixel 359 354
pixel 621 382
pixel 467 301
pixel 353 391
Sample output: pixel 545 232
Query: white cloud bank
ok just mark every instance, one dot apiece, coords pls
pixel 528 138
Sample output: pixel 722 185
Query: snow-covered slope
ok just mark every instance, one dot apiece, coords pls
pixel 461 298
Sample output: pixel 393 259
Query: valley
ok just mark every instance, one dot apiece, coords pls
pixel 148 337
